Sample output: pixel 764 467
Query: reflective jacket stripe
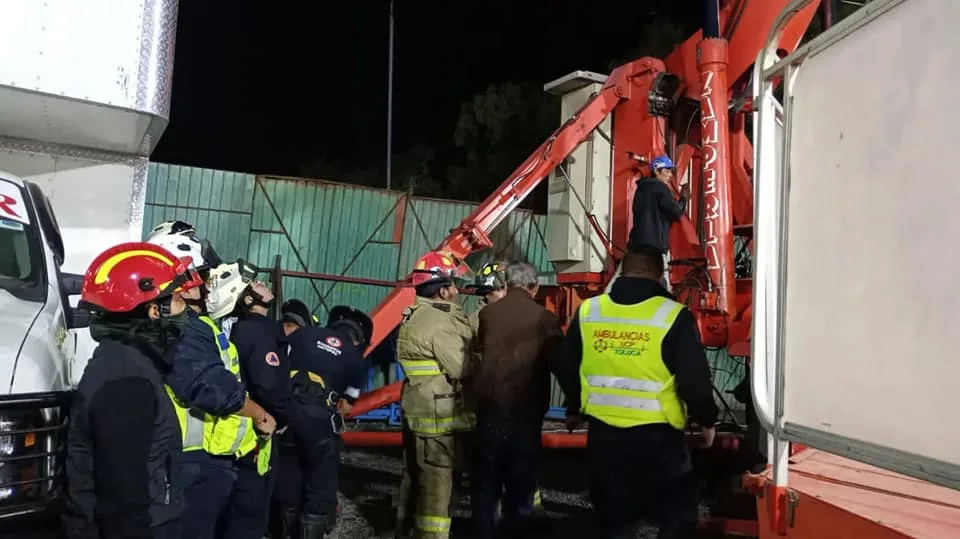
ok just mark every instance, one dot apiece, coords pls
pixel 420 367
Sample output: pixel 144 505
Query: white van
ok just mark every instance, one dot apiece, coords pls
pixel 37 349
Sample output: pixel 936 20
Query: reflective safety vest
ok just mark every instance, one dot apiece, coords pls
pixel 231 435
pixel 623 378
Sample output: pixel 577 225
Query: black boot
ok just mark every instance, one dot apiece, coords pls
pixel 313 526
pixel 290 523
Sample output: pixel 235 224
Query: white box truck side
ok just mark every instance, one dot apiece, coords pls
pixel 855 311
pixel 84 96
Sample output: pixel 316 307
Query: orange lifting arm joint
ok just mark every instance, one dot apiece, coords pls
pixel 472 233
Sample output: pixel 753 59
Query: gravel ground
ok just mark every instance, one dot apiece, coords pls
pixel 370 479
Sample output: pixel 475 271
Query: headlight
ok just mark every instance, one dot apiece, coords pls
pixel 28 444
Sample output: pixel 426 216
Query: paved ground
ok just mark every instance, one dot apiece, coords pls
pixel 370 478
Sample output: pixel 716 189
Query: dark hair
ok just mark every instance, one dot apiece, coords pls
pixel 643 260
pixel 430 289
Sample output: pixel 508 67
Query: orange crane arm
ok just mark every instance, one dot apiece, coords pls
pixel 472 233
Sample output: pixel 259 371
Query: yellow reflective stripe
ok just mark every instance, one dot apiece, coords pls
pixel 104 270
pixel 431 425
pixel 432 524
pixel 661 317
pixel 537 499
pixel 420 367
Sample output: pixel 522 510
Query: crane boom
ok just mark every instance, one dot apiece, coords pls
pixel 473 232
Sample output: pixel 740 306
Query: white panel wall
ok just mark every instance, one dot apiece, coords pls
pixel 868 363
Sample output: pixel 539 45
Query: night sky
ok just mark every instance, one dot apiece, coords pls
pixel 266 89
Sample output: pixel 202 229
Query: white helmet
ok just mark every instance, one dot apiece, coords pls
pixel 182 246
pixel 181 239
pixel 171 228
pixel 224 287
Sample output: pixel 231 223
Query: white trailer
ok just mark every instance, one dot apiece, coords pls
pixel 84 97
pixel 855 312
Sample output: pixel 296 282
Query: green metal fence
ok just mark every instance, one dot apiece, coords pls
pixel 338 243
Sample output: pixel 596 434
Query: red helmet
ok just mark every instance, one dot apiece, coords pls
pixel 434 267
pixel 131 274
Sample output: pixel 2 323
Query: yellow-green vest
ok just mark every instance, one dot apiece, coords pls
pixel 623 379
pixel 231 435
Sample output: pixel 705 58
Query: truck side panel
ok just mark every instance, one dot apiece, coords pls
pixel 97 197
pixel 865 353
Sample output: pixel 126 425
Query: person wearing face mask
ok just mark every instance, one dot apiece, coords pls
pixel 218 420
pixel 328 370
pixel 265 371
pixel 433 345
pixel 124 451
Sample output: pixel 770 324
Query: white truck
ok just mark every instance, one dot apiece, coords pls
pixel 854 309
pixel 85 90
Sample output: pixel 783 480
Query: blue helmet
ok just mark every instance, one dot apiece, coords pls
pixel 661 163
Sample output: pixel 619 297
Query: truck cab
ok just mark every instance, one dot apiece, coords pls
pixel 37 351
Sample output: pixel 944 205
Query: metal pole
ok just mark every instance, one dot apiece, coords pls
pixel 390 99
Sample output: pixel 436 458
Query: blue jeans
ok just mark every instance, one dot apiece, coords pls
pixel 505 464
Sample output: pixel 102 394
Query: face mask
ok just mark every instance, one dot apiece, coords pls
pixel 163 332
pixel 172 328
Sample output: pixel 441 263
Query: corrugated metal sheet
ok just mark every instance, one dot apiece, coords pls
pixel 217 202
pixel 335 229
pixel 325 228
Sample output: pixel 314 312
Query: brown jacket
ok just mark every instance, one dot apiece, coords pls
pixel 516 339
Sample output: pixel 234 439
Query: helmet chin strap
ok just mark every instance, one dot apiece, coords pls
pixel 199 304
pixel 257 300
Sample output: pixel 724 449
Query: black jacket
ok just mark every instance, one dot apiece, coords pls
pixel 331 355
pixel 654 211
pixel 682 354
pixel 264 367
pixel 123 448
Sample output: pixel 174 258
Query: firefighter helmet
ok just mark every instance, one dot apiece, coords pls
pixel 354 321
pixel 132 274
pixel 225 285
pixel 182 239
pixel 435 267
pixel 169 228
pixel 491 277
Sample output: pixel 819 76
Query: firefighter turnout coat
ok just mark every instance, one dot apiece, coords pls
pixel 434 345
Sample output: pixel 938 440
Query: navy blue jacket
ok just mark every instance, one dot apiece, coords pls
pixel 198 377
pixel 333 356
pixel 264 367
pixel 654 212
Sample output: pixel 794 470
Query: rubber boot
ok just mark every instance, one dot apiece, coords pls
pixel 291 523
pixel 313 526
